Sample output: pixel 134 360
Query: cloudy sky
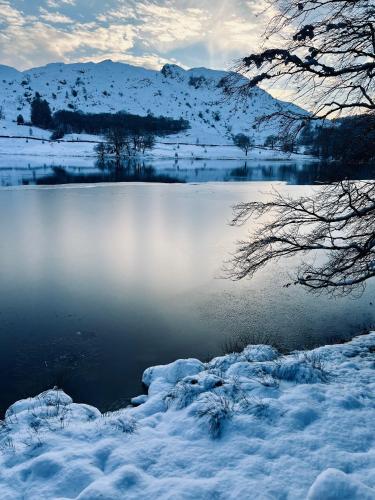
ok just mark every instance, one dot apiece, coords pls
pixel 143 32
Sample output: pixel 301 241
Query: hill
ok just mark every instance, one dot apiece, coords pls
pixel 196 95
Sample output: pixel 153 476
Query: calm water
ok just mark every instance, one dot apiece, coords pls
pixel 28 171
pixel 98 282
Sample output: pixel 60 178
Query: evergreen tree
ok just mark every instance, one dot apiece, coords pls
pixel 20 120
pixel 40 112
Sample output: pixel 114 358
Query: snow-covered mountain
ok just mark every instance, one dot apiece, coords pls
pixel 196 95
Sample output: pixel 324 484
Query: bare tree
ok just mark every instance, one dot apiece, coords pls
pixel 147 142
pixel 337 222
pixel 325 49
pixel 243 142
pixel 116 142
pixel 142 142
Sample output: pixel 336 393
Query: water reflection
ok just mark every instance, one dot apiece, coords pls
pixel 106 172
pixel 163 171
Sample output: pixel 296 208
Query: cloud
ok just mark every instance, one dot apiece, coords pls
pixel 169 26
pixel 9 16
pixel 34 42
pixel 148 32
pixel 58 3
pixel 55 17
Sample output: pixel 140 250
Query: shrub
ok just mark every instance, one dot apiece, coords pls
pixel 197 81
pixel 216 410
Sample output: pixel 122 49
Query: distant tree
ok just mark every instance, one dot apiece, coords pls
pixel 147 142
pixel 40 112
pixel 348 140
pixel 306 138
pixel 2 115
pixel 101 150
pixel 20 120
pixel 271 141
pixel 288 144
pixel 243 142
pixel 117 141
pixel 98 123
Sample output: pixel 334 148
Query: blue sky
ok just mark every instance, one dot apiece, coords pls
pixel 209 33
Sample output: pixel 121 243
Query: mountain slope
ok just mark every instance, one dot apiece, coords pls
pixel 196 95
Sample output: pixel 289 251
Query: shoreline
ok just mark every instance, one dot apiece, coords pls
pixel 169 151
pixel 257 408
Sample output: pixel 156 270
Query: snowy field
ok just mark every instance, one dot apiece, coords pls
pixel 23 141
pixel 68 149
pixel 250 425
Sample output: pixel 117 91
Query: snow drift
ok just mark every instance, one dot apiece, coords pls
pixel 251 425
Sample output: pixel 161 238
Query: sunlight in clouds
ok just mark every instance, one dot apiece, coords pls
pixel 147 32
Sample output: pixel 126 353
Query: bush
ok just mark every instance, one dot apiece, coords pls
pixel 197 81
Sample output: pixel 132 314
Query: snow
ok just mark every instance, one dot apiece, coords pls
pixel 71 148
pixel 333 484
pixel 255 424
pixel 196 95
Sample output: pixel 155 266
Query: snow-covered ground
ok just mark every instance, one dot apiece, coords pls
pixel 254 425
pixel 23 141
pixel 63 149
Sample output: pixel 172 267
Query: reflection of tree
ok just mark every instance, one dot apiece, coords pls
pixel 109 172
pixel 242 172
pixel 338 221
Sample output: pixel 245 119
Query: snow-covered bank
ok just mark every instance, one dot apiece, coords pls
pixel 79 147
pixel 249 425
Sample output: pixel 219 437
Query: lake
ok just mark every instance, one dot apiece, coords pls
pixel 100 281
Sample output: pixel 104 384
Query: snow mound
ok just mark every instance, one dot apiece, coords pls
pixel 333 484
pixel 295 426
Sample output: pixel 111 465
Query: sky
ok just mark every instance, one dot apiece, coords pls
pixel 150 33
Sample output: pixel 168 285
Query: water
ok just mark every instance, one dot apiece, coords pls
pixel 98 282
pixel 28 171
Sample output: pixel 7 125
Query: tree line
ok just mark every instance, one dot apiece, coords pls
pixel 65 122
pixel 348 140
